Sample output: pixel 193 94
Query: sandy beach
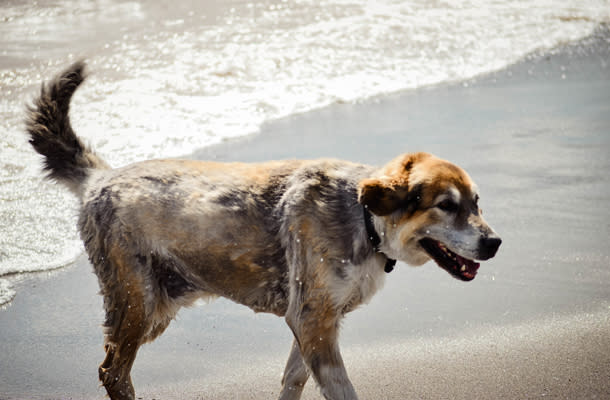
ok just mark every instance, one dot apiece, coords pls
pixel 535 323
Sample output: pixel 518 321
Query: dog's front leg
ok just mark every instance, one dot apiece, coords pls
pixel 316 331
pixel 295 375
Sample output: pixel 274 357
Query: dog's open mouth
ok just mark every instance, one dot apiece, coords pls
pixel 458 266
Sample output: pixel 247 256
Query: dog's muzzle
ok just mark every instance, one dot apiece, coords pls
pixel 458 266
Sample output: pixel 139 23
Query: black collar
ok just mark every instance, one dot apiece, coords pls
pixel 375 239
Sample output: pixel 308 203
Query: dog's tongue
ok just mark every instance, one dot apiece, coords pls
pixel 470 265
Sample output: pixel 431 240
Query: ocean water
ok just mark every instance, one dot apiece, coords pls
pixel 169 78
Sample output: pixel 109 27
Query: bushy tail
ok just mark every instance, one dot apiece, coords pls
pixel 67 159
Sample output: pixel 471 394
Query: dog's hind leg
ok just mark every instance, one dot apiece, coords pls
pixel 122 343
pixel 126 325
pixel 295 375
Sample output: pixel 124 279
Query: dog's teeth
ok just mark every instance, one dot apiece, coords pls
pixel 463 268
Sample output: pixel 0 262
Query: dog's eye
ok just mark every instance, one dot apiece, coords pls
pixel 448 205
pixel 476 200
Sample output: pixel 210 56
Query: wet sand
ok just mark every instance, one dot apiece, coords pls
pixel 534 323
pixel 554 358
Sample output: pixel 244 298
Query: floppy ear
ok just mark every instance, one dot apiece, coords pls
pixel 381 198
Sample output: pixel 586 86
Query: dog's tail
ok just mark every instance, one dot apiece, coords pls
pixel 67 159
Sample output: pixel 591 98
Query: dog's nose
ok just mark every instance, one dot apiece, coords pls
pixel 489 246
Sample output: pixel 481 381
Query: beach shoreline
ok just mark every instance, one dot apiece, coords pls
pixel 533 324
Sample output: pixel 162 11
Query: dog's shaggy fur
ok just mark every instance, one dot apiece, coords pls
pixel 305 240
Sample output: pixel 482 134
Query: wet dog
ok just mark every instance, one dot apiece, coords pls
pixel 305 240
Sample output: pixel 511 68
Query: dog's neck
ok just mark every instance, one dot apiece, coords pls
pixel 375 239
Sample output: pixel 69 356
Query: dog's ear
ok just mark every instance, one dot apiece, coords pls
pixel 384 195
pixel 380 197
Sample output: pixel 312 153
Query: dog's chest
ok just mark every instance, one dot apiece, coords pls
pixel 358 284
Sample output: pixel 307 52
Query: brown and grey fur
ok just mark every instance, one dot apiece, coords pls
pixel 284 237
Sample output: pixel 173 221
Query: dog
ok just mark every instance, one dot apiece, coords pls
pixel 308 241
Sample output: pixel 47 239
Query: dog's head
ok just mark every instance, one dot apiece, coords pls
pixel 425 207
